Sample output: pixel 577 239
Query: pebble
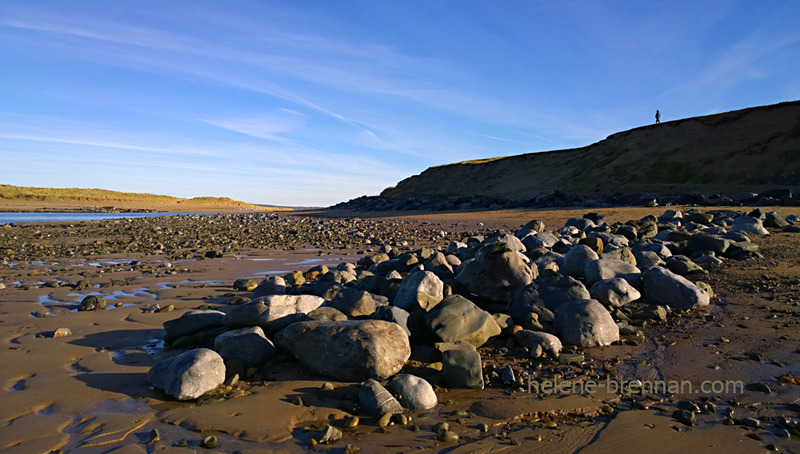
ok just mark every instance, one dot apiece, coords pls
pixel 751 422
pixel 441 427
pixel 330 434
pixel 448 437
pixel 483 427
pixel 351 422
pixel 684 416
pixel 62 332
pixel 154 437
pixel 210 442
pixel 385 419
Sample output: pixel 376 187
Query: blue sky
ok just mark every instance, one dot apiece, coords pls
pixel 315 102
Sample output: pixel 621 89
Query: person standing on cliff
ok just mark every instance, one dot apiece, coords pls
pixel 658 116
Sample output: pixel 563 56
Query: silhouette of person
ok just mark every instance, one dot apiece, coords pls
pixel 658 116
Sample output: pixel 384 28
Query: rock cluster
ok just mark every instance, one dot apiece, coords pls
pixel 548 293
pixel 558 198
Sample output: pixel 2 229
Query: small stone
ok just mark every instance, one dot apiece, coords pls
pixel 441 427
pixel 351 422
pixel 154 437
pixel 351 449
pixel 751 422
pixel 399 418
pixel 327 386
pixel 92 303
pixel 62 332
pixel 385 419
pixel 551 424
pixel 330 434
pixel 483 427
pixel 167 308
pixel 210 442
pixel 448 437
pixel 759 387
pixel 688 406
pixel 684 416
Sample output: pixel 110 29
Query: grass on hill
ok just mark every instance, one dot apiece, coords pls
pixel 99 195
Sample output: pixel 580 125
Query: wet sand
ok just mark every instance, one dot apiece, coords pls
pixel 88 392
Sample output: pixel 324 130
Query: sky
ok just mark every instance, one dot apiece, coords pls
pixel 314 102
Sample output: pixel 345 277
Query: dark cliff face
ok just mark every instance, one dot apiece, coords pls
pixel 745 150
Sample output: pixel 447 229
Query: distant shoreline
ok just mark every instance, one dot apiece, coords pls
pixel 115 206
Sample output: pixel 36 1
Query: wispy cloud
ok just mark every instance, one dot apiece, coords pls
pixel 266 126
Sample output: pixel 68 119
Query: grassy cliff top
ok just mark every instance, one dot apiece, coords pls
pixel 744 150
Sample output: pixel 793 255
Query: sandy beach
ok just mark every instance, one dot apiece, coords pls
pixel 88 391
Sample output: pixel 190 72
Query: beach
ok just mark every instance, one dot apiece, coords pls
pixel 88 391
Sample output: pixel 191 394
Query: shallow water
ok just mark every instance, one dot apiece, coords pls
pixel 26 217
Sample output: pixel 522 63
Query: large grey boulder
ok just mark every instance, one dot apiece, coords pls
pixel 497 273
pixel 414 393
pixel 534 340
pixel 701 242
pixel 191 322
pixel 272 312
pixel 610 241
pixel 748 225
pixel 543 238
pixel 666 288
pixel 598 270
pixel 585 323
pixel 550 260
pixel 353 350
pixel 615 292
pixel 376 400
pixel 420 290
pixel 462 368
pixel 273 285
pixel 393 314
pixel 458 319
pixel 547 292
pixel 575 259
pixel 188 375
pixel 355 303
pixel 248 345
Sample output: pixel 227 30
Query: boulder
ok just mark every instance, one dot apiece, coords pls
pixel 272 312
pixel 327 314
pixel 661 286
pixel 547 292
pixel 376 400
pixel 352 350
pixel 748 225
pixel 534 340
pixel 585 323
pixel 647 259
pixel 92 303
pixel 247 285
pixel 273 285
pixel 248 345
pixel 191 322
pixel 598 270
pixel 393 314
pixel 575 260
pixel 701 242
pixel 458 319
pixel 496 273
pixel 615 292
pixel 413 393
pixel 680 264
pixel 421 290
pixel 188 375
pixel 356 303
pixel 462 368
